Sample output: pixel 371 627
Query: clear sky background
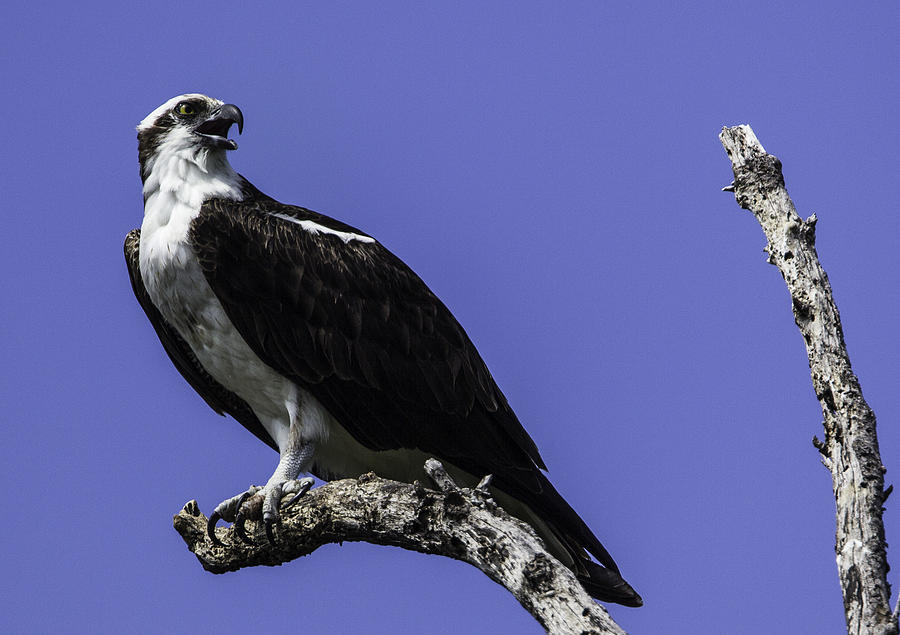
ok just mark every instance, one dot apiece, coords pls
pixel 552 171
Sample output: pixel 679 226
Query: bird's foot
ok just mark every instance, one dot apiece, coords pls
pixel 257 503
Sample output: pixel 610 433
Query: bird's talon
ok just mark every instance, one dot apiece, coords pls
pixel 259 504
pixel 211 528
pixel 304 486
pixel 270 532
pixel 240 501
pixel 293 500
pixel 241 530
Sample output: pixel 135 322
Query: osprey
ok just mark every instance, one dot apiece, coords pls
pixel 322 343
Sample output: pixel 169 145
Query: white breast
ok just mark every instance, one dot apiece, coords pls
pixel 174 191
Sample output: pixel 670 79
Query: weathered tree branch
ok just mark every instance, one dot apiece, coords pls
pixel 850 449
pixel 464 524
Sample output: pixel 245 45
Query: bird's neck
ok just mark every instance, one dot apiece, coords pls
pixel 180 177
pixel 178 164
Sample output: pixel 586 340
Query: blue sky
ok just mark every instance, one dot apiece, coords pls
pixel 553 171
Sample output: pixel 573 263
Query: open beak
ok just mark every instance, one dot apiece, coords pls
pixel 215 129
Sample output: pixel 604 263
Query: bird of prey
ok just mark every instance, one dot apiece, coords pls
pixel 323 343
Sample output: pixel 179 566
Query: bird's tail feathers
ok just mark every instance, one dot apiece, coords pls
pixel 607 585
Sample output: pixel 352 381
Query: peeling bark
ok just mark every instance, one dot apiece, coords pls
pixel 850 449
pixel 464 524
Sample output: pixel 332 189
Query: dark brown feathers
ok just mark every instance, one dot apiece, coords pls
pixel 357 328
pixel 343 316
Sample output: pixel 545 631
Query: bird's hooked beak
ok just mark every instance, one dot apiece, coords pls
pixel 214 131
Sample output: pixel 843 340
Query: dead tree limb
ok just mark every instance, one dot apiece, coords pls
pixel 464 524
pixel 850 449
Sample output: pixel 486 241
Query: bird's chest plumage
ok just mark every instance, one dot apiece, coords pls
pixel 175 282
pixel 173 277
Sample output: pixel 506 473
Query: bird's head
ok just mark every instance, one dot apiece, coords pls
pixel 192 127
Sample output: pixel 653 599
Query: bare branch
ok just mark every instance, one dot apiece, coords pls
pixel 850 448
pixel 464 524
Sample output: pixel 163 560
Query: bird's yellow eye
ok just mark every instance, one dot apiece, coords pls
pixel 185 108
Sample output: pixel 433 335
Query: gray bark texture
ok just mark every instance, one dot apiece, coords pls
pixel 850 449
pixel 464 524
